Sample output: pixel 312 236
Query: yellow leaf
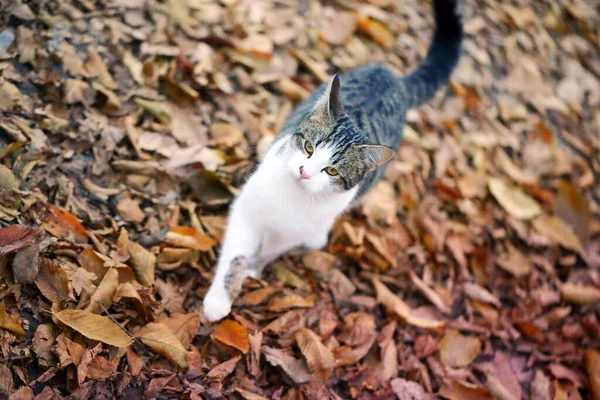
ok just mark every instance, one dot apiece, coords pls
pixel 190 238
pixel 159 338
pixel 457 350
pixel 95 327
pixel 233 334
pixel 558 231
pixel 514 200
pixel 104 293
pixel 403 310
pixel 142 261
pixel 10 322
pixel 319 358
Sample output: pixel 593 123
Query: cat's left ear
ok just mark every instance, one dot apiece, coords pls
pixel 334 97
pixel 376 154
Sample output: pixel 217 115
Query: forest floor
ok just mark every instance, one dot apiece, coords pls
pixel 127 127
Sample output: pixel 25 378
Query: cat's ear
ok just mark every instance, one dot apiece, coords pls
pixel 334 97
pixel 375 154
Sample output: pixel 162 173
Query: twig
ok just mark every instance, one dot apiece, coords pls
pixel 135 339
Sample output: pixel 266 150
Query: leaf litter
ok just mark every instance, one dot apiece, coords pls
pixel 470 271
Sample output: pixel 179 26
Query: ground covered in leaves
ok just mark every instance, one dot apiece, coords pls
pixel 126 128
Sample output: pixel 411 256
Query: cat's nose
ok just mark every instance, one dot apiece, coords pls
pixel 303 174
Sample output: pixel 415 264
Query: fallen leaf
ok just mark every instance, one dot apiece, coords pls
pixel 318 357
pixel 159 338
pixel 258 296
pixel 407 390
pixel 476 292
pixel 557 231
pixel 377 31
pixel 559 371
pixel 94 327
pixel 104 293
pixel 7 385
pixel 52 281
pixel 287 277
pixel 515 262
pixel 574 209
pixel 431 294
pixel 319 261
pixel 592 365
pixel 25 264
pixel 580 294
pixel 358 328
pixel 540 386
pixel 222 370
pixel 130 211
pixel 294 368
pixel 340 28
pixel 457 350
pixel 101 368
pixel 96 67
pixel 400 308
pixel 10 322
pixel 233 334
pixel 292 301
pixel 460 391
pixel 380 204
pixel 142 261
pixel 64 225
pixel 514 200
pixel 184 236
pixel 16 237
pixel 249 395
pixel 504 383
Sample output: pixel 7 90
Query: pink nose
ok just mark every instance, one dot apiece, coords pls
pixel 303 174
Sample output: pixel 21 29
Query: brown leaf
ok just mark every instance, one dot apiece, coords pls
pixel 287 277
pixel 540 386
pixel 94 327
pixel 459 391
pixel 101 368
pixel 159 338
pixel 407 390
pixel 431 294
pixel 380 204
pixel 319 261
pixel 93 262
pixel 220 371
pixel 515 262
pixel 7 385
pixel 10 322
pixel 557 231
pixel 457 350
pixel 292 301
pixel 82 280
pixel 24 393
pixel 130 211
pixel 318 357
pixel 97 68
pixel 64 225
pixel 504 382
pixel 340 28
pixel 249 395
pixel 580 294
pixel 479 293
pixel 16 237
pixel 559 371
pixel 258 296
pixel 183 236
pixel 294 368
pixel 514 200
pixel 400 308
pixel 233 334
pixel 574 209
pixel 142 261
pixel 52 281
pixel 183 326
pixel 358 328
pixel 25 264
pixel 104 293
pixel 592 365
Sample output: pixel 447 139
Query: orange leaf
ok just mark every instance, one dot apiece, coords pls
pixel 183 236
pixel 233 334
pixel 377 31
pixel 64 225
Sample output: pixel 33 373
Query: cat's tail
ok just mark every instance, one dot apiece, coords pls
pixel 442 57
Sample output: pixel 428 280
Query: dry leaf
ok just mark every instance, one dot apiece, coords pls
pixel 377 31
pixel 294 368
pixel 104 293
pixel 233 334
pixel 580 294
pixel 557 231
pixel 64 225
pixel 159 338
pixel 222 370
pixel 514 200
pixel 340 28
pixel 457 350
pixel 52 281
pixel 395 304
pixel 94 327
pixel 249 395
pixel 10 322
pixel 142 261
pixel 318 357
pixel 476 292
pixel 258 296
pixel 292 301
pixel 407 390
pixel 190 238
pixel 592 365
pixel 16 237
pixel 130 210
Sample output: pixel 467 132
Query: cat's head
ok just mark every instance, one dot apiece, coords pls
pixel 328 152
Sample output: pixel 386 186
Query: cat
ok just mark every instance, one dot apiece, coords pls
pixel 329 152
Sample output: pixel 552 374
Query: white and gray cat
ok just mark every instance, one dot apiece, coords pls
pixel 332 149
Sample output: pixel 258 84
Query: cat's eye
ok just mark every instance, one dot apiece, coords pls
pixel 308 147
pixel 331 171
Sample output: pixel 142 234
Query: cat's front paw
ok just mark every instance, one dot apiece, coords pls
pixel 216 305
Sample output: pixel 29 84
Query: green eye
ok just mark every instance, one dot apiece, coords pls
pixel 308 147
pixel 331 171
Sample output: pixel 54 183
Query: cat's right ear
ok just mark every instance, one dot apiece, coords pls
pixel 375 154
pixel 334 97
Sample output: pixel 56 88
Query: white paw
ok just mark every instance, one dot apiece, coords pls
pixel 216 304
